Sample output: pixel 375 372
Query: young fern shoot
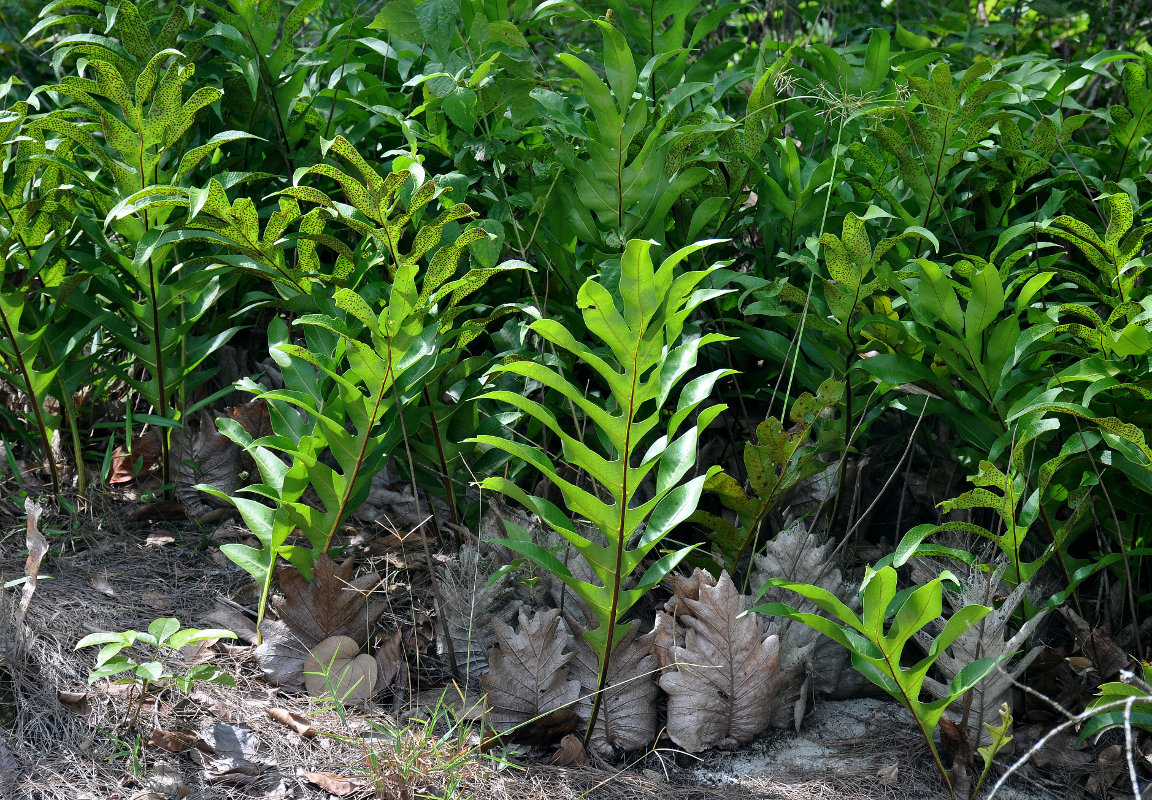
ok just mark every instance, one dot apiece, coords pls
pixel 646 352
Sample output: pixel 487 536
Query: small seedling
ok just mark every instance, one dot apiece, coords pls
pixel 879 655
pixel 165 637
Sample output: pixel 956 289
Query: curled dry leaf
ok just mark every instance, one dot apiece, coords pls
pixel 528 670
pixel 571 753
pixel 333 604
pixel 388 659
pixel 627 718
pixel 130 463
pixel 172 741
pixel 297 722
pixel 281 655
pixel 253 417
pixel 722 682
pixel 227 754
pixel 335 784
pixel 37 548
pixel 956 752
pixel 76 702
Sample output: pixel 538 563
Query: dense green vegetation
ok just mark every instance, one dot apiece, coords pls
pixel 902 270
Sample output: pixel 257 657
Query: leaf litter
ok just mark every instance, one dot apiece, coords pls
pixel 280 735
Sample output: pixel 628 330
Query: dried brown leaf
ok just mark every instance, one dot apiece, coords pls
pixel 130 463
pixel 528 670
pixel 797 554
pixel 172 741
pixel 1111 764
pixel 723 681
pixel 687 588
pixel 76 702
pixel 201 454
pixel 333 604
pixel 229 617
pixel 1106 655
pixel 37 548
pixel 665 634
pixel 281 655
pixel 253 417
pixel 388 659
pixel 955 745
pixel 297 722
pixel 335 784
pixel 571 753
pixel 200 653
pixel 230 741
pixel 226 752
pixel 627 717
pixel 469 607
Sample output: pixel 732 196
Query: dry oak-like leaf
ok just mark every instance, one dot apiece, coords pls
pixel 528 670
pixel 172 741
pixel 333 604
pixel 469 607
pixel 808 660
pixel 201 454
pixel 627 717
pixel 722 682
pixel 994 637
